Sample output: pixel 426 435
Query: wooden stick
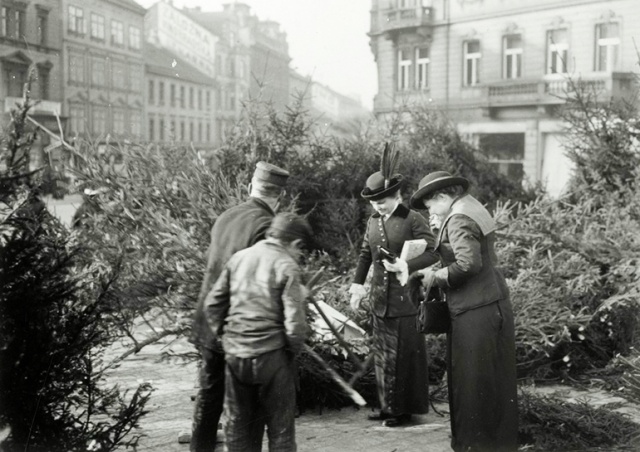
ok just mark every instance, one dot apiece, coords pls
pixel 355 396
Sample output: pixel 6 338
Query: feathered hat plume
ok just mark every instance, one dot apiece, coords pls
pixel 389 163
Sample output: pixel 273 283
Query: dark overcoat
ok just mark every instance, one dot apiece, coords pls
pixel 481 368
pixel 235 229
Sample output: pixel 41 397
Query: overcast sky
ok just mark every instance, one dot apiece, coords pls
pixel 327 39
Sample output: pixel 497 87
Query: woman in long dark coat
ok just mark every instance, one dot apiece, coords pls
pixel 400 351
pixel 481 367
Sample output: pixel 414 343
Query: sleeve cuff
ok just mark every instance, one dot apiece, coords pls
pixel 442 277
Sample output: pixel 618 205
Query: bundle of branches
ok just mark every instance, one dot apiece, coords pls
pixel 319 390
pixel 548 423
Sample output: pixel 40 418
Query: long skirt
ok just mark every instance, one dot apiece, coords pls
pixel 401 366
pixel 481 369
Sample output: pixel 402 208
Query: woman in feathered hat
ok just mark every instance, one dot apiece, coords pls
pixel 481 366
pixel 400 353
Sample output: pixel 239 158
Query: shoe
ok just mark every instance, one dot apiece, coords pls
pixel 380 416
pixel 396 421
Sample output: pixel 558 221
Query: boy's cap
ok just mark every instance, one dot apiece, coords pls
pixel 289 226
pixel 266 172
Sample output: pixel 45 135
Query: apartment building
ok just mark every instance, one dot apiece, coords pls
pixel 323 103
pixel 179 101
pixel 103 76
pixel 232 60
pixel 256 60
pixel 500 69
pixel 31 40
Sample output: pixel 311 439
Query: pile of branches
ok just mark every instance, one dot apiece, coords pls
pixel 549 423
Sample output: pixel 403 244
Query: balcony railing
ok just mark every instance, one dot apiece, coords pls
pixel 42 107
pixel 400 19
pixel 554 91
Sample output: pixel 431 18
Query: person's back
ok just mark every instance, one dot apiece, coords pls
pixel 235 229
pixel 258 305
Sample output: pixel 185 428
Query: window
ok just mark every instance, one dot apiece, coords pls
pixel 76 20
pixel 471 63
pixel 512 60
pixel 98 71
pixel 12 23
pixel 152 131
pixel 191 97
pixel 99 119
pixel 4 21
pixel 118 73
pixel 77 118
pixel 76 68
pixel 160 93
pixel 422 68
pixel 15 76
pixel 208 100
pixel 191 129
pixel 404 69
pixel 135 79
pixel 172 95
pixel 97 27
pixel 232 101
pixel 135 119
pixel 182 134
pixel 558 51
pixel 43 27
pixel 200 132
pixel 118 121
pixel 208 132
pixel 505 152
pixel 151 96
pixel 134 38
pixel 405 4
pixel 607 46
pixel 117 33
pixel 161 129
pixel 199 99
pixel 182 96
pixel 43 82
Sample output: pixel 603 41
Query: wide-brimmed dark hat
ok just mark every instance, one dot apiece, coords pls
pixel 375 187
pixel 435 181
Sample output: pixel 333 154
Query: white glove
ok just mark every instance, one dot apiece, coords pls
pixel 400 268
pixel 358 292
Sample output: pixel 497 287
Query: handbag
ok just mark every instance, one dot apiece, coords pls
pixel 433 313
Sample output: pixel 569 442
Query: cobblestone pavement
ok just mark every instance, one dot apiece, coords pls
pixel 346 430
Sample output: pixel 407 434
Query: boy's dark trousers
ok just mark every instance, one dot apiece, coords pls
pixel 261 392
pixel 209 400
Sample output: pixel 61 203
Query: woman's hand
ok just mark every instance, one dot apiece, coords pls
pixel 358 292
pixel 400 268
pixel 432 277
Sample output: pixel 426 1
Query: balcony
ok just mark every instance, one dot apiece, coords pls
pixel 551 91
pixel 41 108
pixel 398 20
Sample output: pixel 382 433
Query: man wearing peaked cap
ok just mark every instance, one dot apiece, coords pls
pixel 235 229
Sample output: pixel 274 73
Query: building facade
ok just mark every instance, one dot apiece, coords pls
pixel 31 42
pixel 500 69
pixel 179 101
pixel 323 103
pixel 253 58
pixel 103 76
